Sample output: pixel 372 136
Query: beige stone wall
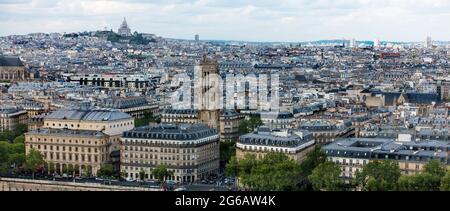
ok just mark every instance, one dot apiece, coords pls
pixel 210 118
pixel 86 152
pixel 14 74
pixel 10 123
pixel 374 102
pixel 204 160
pixel 229 129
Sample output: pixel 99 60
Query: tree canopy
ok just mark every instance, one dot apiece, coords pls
pixel 34 160
pixel 106 170
pixel 162 172
pixel 431 179
pixel 247 126
pixel 274 172
pixel 378 176
pixel 327 176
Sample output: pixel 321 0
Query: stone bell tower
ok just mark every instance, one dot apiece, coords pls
pixel 208 92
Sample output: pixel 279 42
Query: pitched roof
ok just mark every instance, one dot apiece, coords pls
pixel 7 61
pixel 88 115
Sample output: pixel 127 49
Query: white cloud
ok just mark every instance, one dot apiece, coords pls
pixel 266 20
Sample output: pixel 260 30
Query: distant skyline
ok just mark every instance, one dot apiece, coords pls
pixel 246 20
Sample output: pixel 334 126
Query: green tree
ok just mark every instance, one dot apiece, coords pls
pixel 161 172
pixel 419 182
pixel 404 183
pixel 16 159
pixel 17 148
pixel 274 172
pixel 232 167
pixel 255 122
pixel 247 126
pixel 51 167
pixel 435 168
pixel 70 169
pixel 327 176
pixel 65 169
pixel 21 129
pixel 76 169
pixel 87 172
pixel 7 136
pixel 142 175
pixel 3 168
pixel 106 170
pixel 144 121
pixel 123 174
pixel 34 160
pixel 227 150
pixel 378 176
pixel 243 127
pixel 4 152
pixel 445 182
pixel 19 140
pixel 428 180
pixel 4 158
pixel 313 159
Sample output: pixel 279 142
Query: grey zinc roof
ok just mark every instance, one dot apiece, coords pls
pixel 88 115
pixel 378 148
pixel 122 103
pixel 9 109
pixel 264 137
pixel 7 61
pixel 65 132
pixel 172 132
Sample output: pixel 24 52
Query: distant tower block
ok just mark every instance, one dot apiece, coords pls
pixel 429 42
pixel 197 38
pixel 124 30
pixel 353 43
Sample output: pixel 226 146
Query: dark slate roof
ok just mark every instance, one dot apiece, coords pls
pixel 285 115
pixel 181 111
pixel 7 61
pixel 416 98
pixel 229 113
pixel 123 103
pixel 264 137
pixel 9 109
pixel 182 132
pixel 377 148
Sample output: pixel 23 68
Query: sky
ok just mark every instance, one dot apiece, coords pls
pixel 247 20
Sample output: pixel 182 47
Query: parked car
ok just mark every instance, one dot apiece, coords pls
pixel 181 189
pixel 129 179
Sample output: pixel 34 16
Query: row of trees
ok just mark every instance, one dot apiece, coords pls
pixel 8 135
pixel 161 173
pixel 383 176
pixel 274 172
pixel 277 172
pixel 12 149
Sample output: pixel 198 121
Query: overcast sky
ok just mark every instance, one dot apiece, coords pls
pixel 253 20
